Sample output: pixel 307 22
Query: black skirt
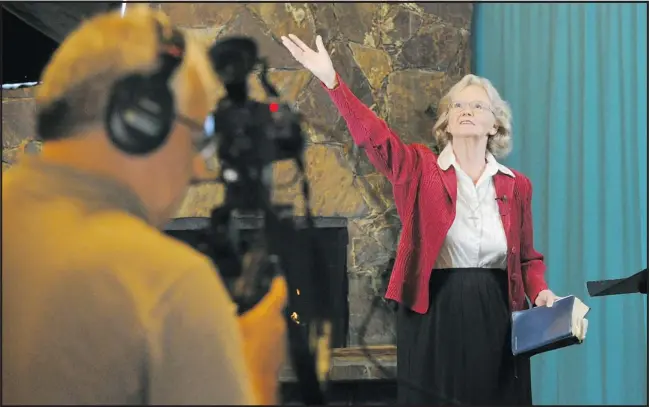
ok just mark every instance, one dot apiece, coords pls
pixel 459 351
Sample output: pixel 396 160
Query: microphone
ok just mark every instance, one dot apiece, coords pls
pixel 503 199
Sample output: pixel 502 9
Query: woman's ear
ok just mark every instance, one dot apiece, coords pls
pixel 493 131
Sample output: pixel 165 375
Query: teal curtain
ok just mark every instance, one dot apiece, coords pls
pixel 576 78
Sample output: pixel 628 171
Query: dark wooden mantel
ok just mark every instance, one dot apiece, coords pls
pixel 351 364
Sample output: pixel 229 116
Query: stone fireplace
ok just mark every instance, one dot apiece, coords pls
pixel 398 58
pixel 332 241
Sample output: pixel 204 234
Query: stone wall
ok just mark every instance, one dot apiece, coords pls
pixel 17 125
pixel 399 59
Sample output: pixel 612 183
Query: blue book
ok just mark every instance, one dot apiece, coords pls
pixel 542 329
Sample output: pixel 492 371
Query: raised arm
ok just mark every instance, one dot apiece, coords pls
pixel 393 158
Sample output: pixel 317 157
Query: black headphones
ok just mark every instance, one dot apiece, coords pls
pixel 141 107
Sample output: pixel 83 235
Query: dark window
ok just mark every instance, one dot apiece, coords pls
pixel 25 50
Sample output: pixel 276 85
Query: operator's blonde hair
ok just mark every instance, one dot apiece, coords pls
pixel 109 47
pixel 499 144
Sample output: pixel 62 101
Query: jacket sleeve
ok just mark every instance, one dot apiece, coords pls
pixel 532 262
pixel 196 355
pixel 387 153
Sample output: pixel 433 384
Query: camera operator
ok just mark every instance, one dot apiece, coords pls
pixel 99 306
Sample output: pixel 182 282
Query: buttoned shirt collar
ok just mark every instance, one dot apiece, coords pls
pixel 447 158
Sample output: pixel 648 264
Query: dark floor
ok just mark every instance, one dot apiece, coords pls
pixel 342 393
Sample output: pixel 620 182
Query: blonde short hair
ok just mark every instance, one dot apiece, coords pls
pixel 501 143
pixel 107 48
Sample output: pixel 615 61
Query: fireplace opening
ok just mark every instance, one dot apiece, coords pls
pixel 332 241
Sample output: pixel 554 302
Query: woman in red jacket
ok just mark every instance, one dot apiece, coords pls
pixel 465 259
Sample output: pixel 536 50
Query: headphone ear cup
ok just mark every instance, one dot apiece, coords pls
pixel 140 114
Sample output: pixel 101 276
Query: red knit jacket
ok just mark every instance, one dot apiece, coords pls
pixel 425 197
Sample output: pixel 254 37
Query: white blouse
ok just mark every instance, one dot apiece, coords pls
pixel 476 237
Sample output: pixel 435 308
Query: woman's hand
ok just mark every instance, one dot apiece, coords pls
pixel 319 63
pixel 263 329
pixel 545 297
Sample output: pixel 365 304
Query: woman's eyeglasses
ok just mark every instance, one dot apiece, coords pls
pixel 475 106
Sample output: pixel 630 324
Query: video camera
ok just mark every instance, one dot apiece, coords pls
pixel 249 137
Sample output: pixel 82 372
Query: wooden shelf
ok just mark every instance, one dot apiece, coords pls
pixel 383 351
pixel 351 364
